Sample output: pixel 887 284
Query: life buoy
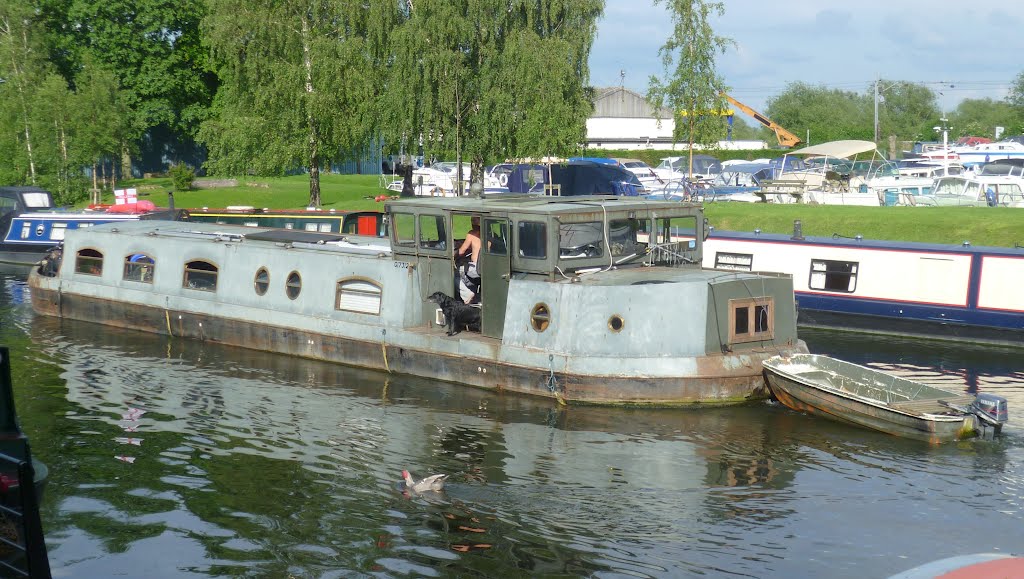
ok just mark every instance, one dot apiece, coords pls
pixel 503 179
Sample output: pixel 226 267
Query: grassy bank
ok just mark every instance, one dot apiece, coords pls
pixel 995 226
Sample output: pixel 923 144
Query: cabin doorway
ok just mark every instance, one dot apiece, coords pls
pixel 495 269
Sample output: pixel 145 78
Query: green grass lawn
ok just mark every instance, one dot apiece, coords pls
pixel 995 226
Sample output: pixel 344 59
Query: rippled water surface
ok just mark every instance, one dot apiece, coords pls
pixel 173 458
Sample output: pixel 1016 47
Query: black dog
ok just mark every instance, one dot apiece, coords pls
pixel 459 316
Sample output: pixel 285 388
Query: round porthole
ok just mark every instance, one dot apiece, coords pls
pixel 293 286
pixel 262 281
pixel 615 323
pixel 540 317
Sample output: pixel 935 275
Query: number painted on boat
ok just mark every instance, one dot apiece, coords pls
pixel 403 264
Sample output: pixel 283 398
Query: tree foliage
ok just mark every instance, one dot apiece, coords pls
pixel 693 85
pixel 980 117
pixel 905 109
pixel 153 47
pixel 299 83
pixel 491 79
pixel 829 114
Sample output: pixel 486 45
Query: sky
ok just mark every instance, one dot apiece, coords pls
pixel 959 49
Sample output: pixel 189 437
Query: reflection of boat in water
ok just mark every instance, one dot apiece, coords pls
pixel 22 480
pixel 573 297
pixel 865 397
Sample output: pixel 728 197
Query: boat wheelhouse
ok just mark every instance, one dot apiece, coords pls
pixel 583 299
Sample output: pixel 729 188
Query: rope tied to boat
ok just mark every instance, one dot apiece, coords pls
pixel 552 381
pixel 384 349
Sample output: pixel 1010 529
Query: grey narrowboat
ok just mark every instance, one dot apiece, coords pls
pixel 597 300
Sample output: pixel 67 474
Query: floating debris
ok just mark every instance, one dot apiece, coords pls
pixel 128 459
pixel 126 440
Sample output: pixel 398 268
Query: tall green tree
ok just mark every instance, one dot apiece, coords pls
pixel 905 108
pixel 692 87
pixel 300 79
pixel 488 80
pixel 829 114
pixel 980 117
pixel 23 65
pixel 102 121
pixel 1016 95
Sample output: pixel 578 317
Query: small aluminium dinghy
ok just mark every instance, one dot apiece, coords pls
pixel 874 399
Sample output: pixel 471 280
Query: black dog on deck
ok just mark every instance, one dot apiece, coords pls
pixel 459 316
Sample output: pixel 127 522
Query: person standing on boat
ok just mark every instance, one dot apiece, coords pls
pixel 469 277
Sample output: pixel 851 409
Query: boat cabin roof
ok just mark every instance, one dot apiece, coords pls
pixel 566 209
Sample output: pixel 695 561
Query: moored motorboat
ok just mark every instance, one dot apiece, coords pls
pixel 584 299
pixel 929 290
pixel 877 400
pixel 31 224
pixel 370 223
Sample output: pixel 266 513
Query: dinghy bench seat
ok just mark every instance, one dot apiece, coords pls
pixel 932 406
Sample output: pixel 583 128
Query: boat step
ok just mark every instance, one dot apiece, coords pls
pixel 932 405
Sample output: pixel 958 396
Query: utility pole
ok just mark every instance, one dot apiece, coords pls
pixel 876 108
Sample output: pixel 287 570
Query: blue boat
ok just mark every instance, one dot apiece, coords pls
pixel 32 224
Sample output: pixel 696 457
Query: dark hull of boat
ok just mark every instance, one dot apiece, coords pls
pixel 806 398
pixel 720 379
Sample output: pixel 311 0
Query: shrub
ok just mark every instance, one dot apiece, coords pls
pixel 182 176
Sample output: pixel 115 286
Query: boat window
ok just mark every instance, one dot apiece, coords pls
pixel 835 276
pixel 533 239
pixel 358 295
pixel 580 240
pixel 496 234
pixel 622 235
pixel 57 231
pixel 673 240
pixel 139 267
pixel 7 205
pixel 734 261
pixel 293 285
pixel 432 234
pixel 89 262
pixel 540 317
pixel 404 229
pixel 38 200
pixel 200 275
pixel 262 281
pixel 751 319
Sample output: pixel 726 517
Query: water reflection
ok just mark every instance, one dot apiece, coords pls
pixel 253 464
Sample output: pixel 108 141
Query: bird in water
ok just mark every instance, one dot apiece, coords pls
pixel 431 483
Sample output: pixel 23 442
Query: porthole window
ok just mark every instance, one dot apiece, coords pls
pixel 89 262
pixel 262 281
pixel 616 323
pixel 293 286
pixel 540 317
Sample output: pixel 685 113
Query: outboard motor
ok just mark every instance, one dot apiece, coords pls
pixel 992 410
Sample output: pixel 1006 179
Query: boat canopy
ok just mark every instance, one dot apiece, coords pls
pixel 841 149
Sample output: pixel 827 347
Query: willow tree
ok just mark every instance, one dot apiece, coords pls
pixel 692 89
pixel 299 81
pixel 489 80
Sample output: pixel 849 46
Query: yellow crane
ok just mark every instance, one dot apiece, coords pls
pixel 786 138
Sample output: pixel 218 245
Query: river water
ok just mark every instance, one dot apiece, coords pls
pixel 174 458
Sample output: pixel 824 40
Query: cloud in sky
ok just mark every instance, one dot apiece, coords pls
pixel 958 49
